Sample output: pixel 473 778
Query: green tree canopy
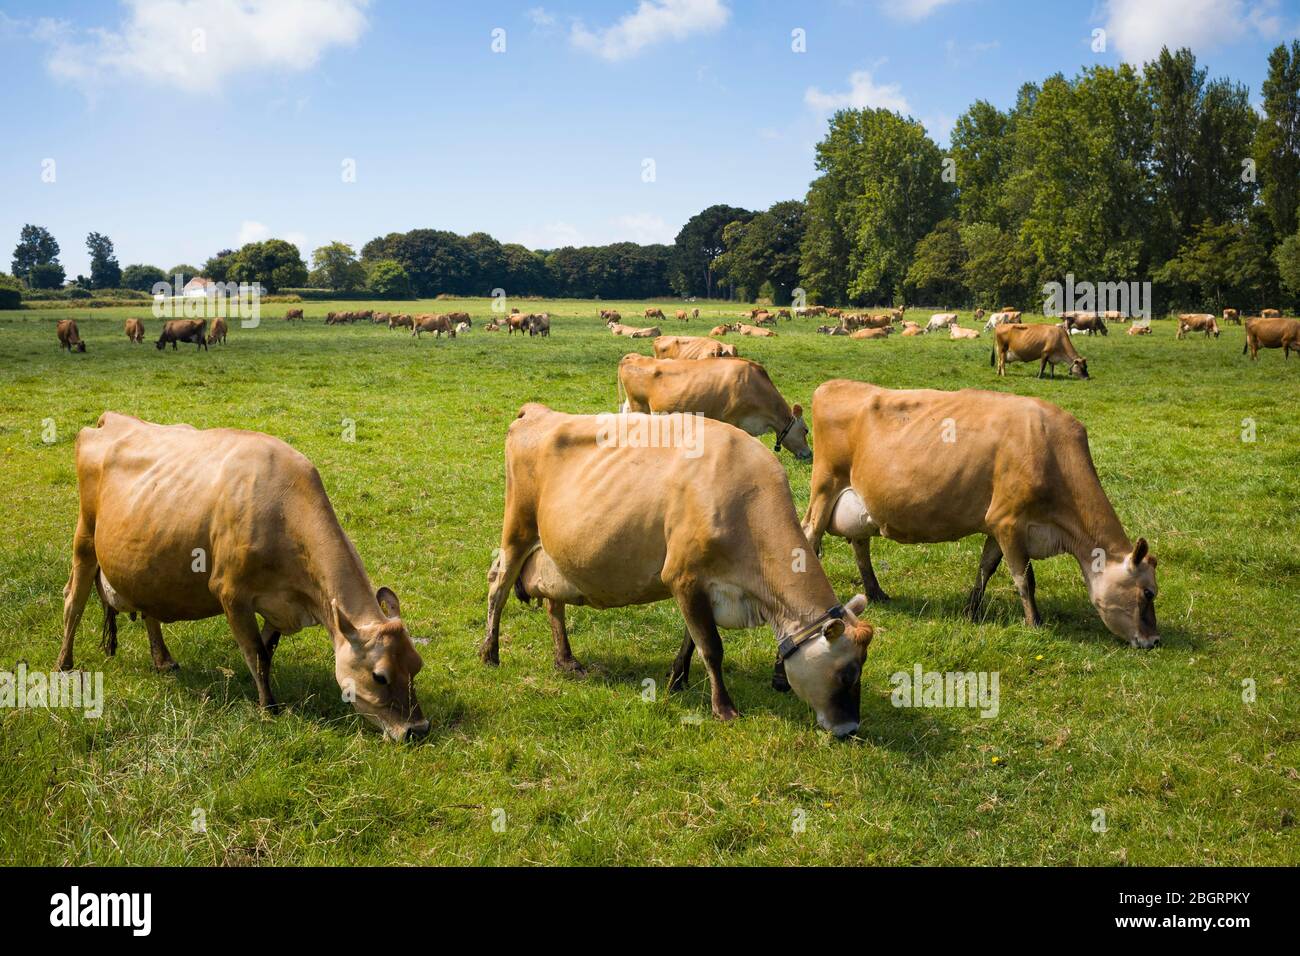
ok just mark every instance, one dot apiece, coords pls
pixel 36 247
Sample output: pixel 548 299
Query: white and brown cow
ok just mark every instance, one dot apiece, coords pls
pixel 178 524
pixel 924 466
pixel 1197 322
pixel 711 525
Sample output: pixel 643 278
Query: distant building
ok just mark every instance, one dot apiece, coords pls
pixel 199 286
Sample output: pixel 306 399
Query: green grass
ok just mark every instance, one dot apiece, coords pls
pixel 584 769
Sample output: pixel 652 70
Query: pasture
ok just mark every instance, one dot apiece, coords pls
pixel 525 765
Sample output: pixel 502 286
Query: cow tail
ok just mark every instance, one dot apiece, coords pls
pixel 520 591
pixel 108 632
pixel 993 356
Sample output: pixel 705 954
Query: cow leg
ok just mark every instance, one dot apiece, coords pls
pixel 77 591
pixel 1022 573
pixel 162 658
pixel 507 568
pixel 989 562
pixel 564 659
pixel 243 623
pixel 862 552
pixel 270 638
pixel 698 613
pixel 680 674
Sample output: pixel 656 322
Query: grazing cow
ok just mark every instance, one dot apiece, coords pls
pixel 332 318
pixel 681 315
pixel 218 331
pixel 154 496
pixel 461 317
pixel 941 320
pixel 184 330
pixel 1139 329
pixel 135 330
pixel 609 315
pixel 400 321
pixel 1197 322
pixel 765 318
pixel 695 313
pixel 69 337
pixel 1270 314
pixel 738 392
pixel 834 313
pixel 1089 323
pixel 381 318
pixel 754 330
pixel 540 324
pixel 870 334
pixel 518 322
pixel 720 330
pixel 1273 333
pixel 783 314
pixel 1231 315
pixel 711 525
pixel 1048 344
pixel 437 324
pixel 692 347
pixel 653 313
pixel 293 315
pixel 1020 473
pixel 957 332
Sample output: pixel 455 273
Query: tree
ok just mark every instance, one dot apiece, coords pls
pixel 45 275
pixel 11 292
pixel 1277 140
pixel 105 273
pixel 935 275
pixel 487 263
pixel 764 251
pixel 387 278
pixel 36 247
pixel 1221 264
pixel 216 268
pixel 142 278
pixel 1287 257
pixel 338 267
pixel 275 264
pixel 982 155
pixel 525 271
pixel 700 242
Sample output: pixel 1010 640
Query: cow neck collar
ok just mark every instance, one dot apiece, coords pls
pixel 789 644
pixel 780 436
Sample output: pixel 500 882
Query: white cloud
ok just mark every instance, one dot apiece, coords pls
pixel 863 93
pixel 653 22
pixel 912 9
pixel 250 230
pixel 196 45
pixel 644 228
pixel 542 18
pixel 1139 28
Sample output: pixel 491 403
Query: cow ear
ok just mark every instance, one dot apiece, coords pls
pixel 832 629
pixel 1139 552
pixel 797 411
pixel 342 624
pixel 856 604
pixel 388 602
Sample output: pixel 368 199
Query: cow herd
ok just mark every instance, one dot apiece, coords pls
pixel 712 525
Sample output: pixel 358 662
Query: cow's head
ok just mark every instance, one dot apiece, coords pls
pixel 1079 368
pixel 79 347
pixel 375 665
pixel 795 436
pixel 1124 594
pixel 826 672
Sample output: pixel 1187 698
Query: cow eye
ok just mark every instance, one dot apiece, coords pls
pixel 380 679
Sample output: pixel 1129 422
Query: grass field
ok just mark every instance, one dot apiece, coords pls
pixel 586 771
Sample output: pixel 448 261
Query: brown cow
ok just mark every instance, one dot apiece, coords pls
pixel 69 337
pixel 692 347
pixel 1197 322
pixel 1089 323
pixel 721 330
pixel 870 334
pixel 634 333
pixel 1231 315
pixel 754 330
pixel 135 330
pixel 1049 344
pixel 695 313
pixel 1281 334
pixel 400 321
pixel 293 315
pixel 152 497
pixel 1139 330
pixel 381 318
pixel 609 315
pixel 218 331
pixel 437 324
pixel 738 392
pixel 1018 471
pixel 539 323
pixel 518 322
pixel 711 525
pixel 653 313
pixel 184 330
pixel 957 332
pixel 681 315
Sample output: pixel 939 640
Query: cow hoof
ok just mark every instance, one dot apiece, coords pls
pixel 878 596
pixel 571 666
pixel 166 667
pixel 727 713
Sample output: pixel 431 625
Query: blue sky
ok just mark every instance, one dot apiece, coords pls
pixel 177 143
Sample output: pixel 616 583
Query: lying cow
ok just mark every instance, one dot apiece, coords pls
pixel 218 331
pixel 135 331
pixel 721 330
pixel 738 392
pixel 711 525
pixel 155 497
pixel 184 330
pixel 1197 322
pixel 957 332
pixel 1275 333
pixel 1046 344
pixel 462 328
pixel 1139 330
pixel 437 324
pixel 941 320
pixel 832 330
pixel 754 330
pixel 1019 472
pixel 692 347
pixel 870 334
pixel 634 333
pixel 69 337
